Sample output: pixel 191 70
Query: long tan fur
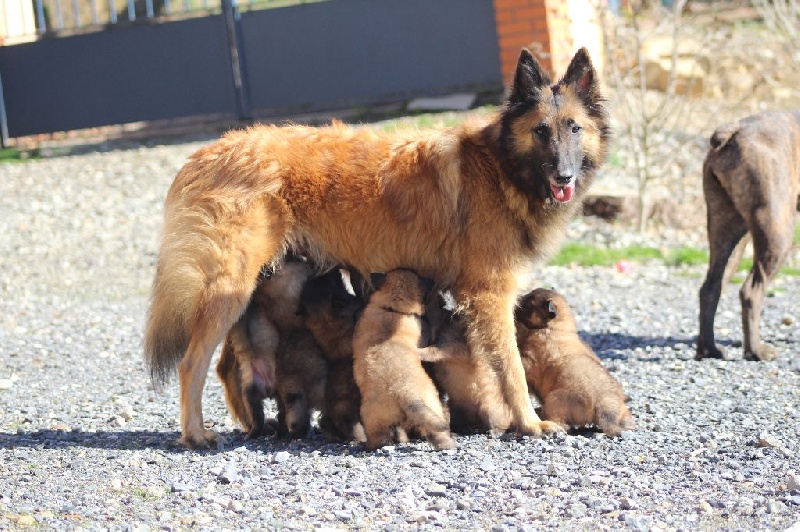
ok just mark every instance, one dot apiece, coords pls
pixel 474 207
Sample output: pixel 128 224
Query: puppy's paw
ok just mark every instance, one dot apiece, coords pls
pixel 541 428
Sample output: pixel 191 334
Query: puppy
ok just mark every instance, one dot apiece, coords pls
pixel 269 353
pixel 474 398
pixel 396 391
pixel 562 371
pixel 330 313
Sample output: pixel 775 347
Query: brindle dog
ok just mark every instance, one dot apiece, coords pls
pixel 750 181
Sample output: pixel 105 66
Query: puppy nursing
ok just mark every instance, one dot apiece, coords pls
pixel 396 392
pixel 269 352
pixel 312 345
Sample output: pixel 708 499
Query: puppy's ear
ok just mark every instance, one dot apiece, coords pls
pixel 551 309
pixel 301 311
pixel 425 285
pixel 377 280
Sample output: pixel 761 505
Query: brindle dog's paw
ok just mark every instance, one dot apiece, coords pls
pixel 709 351
pixel 764 353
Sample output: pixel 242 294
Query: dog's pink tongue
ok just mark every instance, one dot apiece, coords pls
pixel 562 194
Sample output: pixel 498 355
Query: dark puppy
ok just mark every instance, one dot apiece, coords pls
pixel 330 313
pixel 750 181
pixel 270 353
pixel 562 371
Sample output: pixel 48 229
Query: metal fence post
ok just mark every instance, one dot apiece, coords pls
pixel 233 26
pixel 3 119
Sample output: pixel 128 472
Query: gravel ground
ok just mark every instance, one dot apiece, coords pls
pixel 86 443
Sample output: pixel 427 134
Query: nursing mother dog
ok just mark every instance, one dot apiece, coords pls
pixel 473 207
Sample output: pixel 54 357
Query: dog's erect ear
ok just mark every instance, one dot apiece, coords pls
pixel 581 76
pixel 551 309
pixel 528 79
pixel 377 280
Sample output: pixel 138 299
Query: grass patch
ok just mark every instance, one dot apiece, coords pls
pixel 586 255
pixel 433 120
pixel 8 155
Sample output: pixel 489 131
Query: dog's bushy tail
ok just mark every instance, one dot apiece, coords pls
pixel 177 288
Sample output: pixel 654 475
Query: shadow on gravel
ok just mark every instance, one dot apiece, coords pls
pixel 165 441
pixel 617 346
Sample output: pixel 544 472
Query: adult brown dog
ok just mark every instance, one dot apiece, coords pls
pixel 750 181
pixel 474 207
pixel 562 371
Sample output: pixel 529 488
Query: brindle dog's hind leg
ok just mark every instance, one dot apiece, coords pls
pixel 726 228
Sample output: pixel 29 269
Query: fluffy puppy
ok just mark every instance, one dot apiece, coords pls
pixel 562 371
pixel 330 313
pixel 474 398
pixel 267 353
pixel 396 392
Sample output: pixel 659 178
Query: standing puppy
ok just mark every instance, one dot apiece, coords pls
pixel 396 392
pixel 562 371
pixel 750 182
pixel 474 397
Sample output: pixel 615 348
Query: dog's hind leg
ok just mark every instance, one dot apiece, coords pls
pixel 770 251
pixel 230 257
pixel 726 229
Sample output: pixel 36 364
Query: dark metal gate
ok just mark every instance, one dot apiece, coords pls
pixel 252 63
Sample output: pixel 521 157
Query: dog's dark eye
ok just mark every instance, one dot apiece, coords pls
pixel 540 130
pixel 576 128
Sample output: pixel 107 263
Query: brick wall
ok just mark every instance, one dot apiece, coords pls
pixel 551 29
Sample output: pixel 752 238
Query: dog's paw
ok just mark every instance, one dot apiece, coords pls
pixel 206 439
pixel 764 353
pixel 541 428
pixel 709 351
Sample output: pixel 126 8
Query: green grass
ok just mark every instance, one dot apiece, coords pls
pixel 585 255
pixel 14 155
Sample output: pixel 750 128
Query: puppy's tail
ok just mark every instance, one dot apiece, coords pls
pixel 430 423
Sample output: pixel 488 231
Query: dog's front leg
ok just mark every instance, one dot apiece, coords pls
pixel 489 316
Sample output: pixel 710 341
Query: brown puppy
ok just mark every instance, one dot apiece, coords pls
pixel 474 207
pixel 270 352
pixel 331 313
pixel 751 182
pixel 562 371
pixel 396 392
pixel 246 368
pixel 474 397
